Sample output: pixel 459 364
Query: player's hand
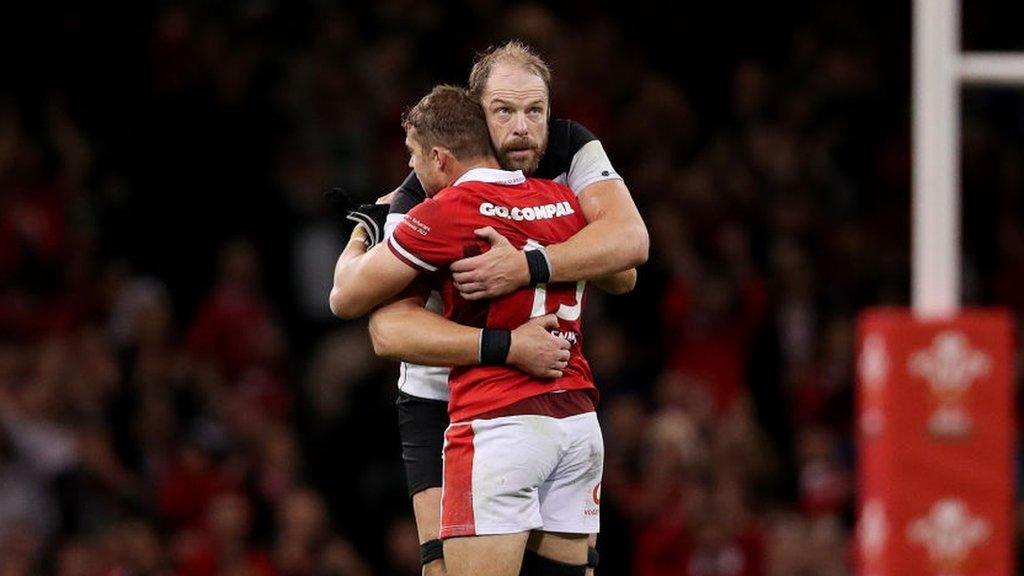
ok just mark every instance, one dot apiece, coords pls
pixel 348 214
pixel 387 198
pixel 538 352
pixel 494 273
pixel 373 217
pixel 339 204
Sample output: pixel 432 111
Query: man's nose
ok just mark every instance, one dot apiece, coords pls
pixel 520 127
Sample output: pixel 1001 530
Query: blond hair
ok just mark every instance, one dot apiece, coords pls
pixel 515 53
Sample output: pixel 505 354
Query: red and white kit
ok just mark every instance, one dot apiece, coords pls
pixel 522 453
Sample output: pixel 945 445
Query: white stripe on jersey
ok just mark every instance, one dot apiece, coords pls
pixel 412 257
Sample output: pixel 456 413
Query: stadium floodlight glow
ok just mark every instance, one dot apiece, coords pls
pixel 940 68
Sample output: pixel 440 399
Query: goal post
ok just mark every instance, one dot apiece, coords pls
pixel 940 71
pixel 935 417
pixel 936 156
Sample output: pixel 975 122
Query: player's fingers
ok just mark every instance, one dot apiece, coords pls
pixel 387 198
pixel 485 292
pixel 485 233
pixel 491 235
pixel 554 374
pixel 563 356
pixel 547 321
pixel 479 295
pixel 470 287
pixel 467 264
pixel 465 277
pixel 564 344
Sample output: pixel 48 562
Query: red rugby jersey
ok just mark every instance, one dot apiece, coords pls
pixel 439 231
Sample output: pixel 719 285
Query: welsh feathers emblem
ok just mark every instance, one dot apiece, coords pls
pixel 950 366
pixel 949 532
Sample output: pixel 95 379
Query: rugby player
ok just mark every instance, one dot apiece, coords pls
pixel 522 453
pixel 512 83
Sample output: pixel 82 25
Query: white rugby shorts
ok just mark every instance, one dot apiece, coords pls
pixel 522 472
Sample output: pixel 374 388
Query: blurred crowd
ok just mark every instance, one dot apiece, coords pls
pixel 175 397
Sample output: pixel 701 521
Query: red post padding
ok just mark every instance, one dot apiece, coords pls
pixel 935 432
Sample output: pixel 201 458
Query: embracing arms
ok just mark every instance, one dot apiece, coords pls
pixel 405 330
pixel 606 250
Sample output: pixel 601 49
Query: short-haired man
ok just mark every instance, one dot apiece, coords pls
pixel 513 85
pixel 522 453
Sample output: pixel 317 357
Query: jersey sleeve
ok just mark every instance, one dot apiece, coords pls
pixel 589 163
pixel 428 237
pixel 407 196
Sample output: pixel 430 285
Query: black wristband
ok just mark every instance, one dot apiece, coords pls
pixel 494 346
pixel 592 557
pixel 431 550
pixel 540 269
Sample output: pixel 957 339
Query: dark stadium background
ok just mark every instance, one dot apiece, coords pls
pixel 172 385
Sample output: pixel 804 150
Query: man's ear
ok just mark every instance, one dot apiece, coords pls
pixel 436 158
pixel 442 157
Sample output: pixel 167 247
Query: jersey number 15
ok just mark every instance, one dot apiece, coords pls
pixel 569 313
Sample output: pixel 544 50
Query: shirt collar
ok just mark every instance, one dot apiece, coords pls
pixel 492 176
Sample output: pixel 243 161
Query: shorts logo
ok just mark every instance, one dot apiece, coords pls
pixel 530 213
pixel 594 509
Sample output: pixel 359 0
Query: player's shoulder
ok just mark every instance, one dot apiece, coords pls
pixel 407 196
pixel 484 181
pixel 568 135
pixel 549 187
pixel 565 139
pixel 457 195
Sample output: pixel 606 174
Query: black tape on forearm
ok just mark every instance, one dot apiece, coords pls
pixel 494 346
pixel 593 558
pixel 540 268
pixel 431 550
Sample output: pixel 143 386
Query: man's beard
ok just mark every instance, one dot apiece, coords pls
pixel 527 163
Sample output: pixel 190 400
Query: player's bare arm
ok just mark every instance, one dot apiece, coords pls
pixel 615 237
pixel 614 240
pixel 363 280
pixel 437 341
pixel 616 283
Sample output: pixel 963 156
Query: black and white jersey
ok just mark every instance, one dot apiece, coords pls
pixel 574 157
